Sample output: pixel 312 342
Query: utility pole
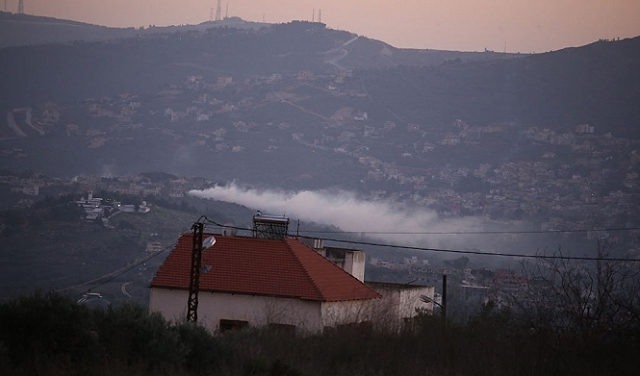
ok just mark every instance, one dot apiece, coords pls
pixel 21 7
pixel 199 246
pixel 196 265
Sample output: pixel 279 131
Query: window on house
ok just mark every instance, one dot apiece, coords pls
pixel 232 325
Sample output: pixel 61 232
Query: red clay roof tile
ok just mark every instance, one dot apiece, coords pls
pixel 286 268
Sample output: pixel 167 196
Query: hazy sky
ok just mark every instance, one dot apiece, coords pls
pixel 470 25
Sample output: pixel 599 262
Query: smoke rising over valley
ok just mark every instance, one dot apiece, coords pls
pixel 495 197
pixel 380 221
pixel 487 151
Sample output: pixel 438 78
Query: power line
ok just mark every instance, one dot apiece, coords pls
pixel 117 273
pixel 473 232
pixel 612 229
pixel 481 253
pixel 113 275
pixel 443 250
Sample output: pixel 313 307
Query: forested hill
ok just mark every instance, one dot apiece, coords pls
pixel 30 30
pixel 114 100
pixel 150 61
pixel 598 84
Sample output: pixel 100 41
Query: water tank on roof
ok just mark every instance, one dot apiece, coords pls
pixel 270 226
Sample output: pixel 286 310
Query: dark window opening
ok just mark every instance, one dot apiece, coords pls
pixel 232 325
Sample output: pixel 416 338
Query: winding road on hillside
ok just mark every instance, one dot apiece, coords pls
pixel 342 51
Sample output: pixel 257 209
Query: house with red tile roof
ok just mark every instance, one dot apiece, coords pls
pixel 261 282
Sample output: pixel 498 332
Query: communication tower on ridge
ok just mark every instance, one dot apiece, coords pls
pixel 21 7
pixel 219 11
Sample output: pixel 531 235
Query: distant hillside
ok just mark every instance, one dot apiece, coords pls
pixel 299 104
pixel 150 61
pixel 598 84
pixel 370 53
pixel 28 30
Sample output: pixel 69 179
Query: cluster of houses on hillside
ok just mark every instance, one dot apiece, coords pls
pixel 96 208
pixel 546 187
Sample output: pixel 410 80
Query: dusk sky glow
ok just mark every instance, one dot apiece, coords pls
pixel 468 25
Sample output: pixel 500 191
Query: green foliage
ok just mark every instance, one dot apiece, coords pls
pixel 49 209
pixel 130 333
pixel 203 353
pixel 46 328
pixel 49 334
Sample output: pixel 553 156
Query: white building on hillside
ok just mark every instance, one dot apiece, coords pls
pixel 281 282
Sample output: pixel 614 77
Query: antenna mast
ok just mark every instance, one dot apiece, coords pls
pixel 219 11
pixel 21 7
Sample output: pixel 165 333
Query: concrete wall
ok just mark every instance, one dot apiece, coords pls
pixel 350 260
pixel 354 264
pixel 347 312
pixel 410 300
pixel 399 303
pixel 307 316
pixel 172 304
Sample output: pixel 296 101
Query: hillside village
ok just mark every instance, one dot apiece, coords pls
pixel 328 128
pixel 316 122
pixel 578 180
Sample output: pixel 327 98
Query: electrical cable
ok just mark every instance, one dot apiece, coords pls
pixel 481 253
pixel 117 273
pixel 523 232
pixel 474 232
pixel 441 250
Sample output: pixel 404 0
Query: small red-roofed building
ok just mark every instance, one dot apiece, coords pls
pixel 260 282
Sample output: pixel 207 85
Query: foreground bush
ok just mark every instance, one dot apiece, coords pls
pixel 49 334
pixel 494 343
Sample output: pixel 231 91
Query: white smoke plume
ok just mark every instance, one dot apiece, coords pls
pixel 344 210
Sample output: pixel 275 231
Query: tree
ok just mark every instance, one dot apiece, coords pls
pixel 593 299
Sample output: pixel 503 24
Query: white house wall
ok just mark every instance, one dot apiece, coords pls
pixel 345 312
pixel 256 310
pixel 398 303
pixel 307 316
pixel 355 263
pixel 410 301
pixel 171 304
